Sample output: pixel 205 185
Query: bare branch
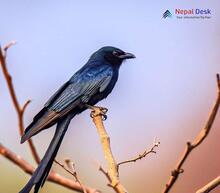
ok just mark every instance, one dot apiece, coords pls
pixel 197 141
pixel 8 45
pixel 64 167
pixel 19 110
pixel 210 186
pixel 218 81
pixel 52 177
pixel 97 114
pixel 142 155
pixel 71 170
pixel 101 169
pixel 25 106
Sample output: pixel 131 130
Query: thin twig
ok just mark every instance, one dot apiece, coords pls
pixel 101 169
pixel 8 45
pixel 64 167
pixel 97 114
pixel 71 167
pixel 197 141
pixel 71 170
pixel 19 110
pixel 142 155
pixel 210 186
pixel 52 177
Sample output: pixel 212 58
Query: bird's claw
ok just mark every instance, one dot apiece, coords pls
pixel 103 110
pixel 104 117
pixel 97 111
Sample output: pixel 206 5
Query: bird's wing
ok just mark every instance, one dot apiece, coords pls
pixel 78 89
pixel 87 84
pixel 56 94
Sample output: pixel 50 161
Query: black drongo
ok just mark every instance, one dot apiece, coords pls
pixel 92 83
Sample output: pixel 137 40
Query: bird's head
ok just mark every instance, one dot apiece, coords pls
pixel 112 55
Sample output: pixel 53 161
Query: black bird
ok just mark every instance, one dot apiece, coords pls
pixel 92 83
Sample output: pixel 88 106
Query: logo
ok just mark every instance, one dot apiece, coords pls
pixel 188 13
pixel 166 14
pixel 192 11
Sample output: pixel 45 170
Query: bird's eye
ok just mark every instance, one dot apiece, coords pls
pixel 115 53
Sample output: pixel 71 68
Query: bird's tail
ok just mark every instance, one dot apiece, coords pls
pixel 39 176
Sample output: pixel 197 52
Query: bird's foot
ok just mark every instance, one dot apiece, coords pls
pixel 97 111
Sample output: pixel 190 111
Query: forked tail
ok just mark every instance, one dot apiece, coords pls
pixel 39 176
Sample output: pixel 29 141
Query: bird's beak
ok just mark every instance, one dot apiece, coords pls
pixel 127 56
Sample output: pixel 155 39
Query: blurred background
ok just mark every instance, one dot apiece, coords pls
pixel 166 92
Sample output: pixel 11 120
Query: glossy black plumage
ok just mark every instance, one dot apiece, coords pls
pixel 92 83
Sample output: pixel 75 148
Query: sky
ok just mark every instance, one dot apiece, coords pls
pixel 166 92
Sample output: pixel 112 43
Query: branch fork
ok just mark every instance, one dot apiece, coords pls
pixel 112 174
pixel 197 141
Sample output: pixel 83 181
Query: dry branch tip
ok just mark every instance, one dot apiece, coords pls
pixel 195 143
